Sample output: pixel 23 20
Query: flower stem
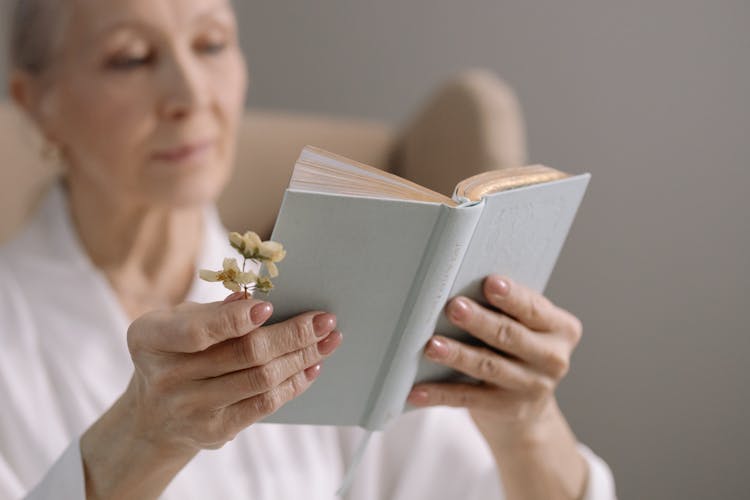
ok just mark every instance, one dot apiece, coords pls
pixel 244 260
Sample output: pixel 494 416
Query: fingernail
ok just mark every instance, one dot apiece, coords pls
pixel 437 348
pixel 313 372
pixel 323 324
pixel 329 344
pixel 418 397
pixel 260 312
pixel 499 286
pixel 459 309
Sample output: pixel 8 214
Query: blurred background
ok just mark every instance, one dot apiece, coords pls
pixel 651 97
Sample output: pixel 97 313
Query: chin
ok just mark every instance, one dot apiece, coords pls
pixel 201 187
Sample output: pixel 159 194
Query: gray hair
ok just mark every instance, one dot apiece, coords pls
pixel 35 28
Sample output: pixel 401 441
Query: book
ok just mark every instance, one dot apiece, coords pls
pixel 385 254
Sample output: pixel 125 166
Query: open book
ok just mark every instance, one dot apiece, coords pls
pixel 385 254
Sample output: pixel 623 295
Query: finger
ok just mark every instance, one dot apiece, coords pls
pixel 228 389
pixel 543 352
pixel 263 345
pixel 456 395
pixel 194 327
pixel 526 305
pixel 480 363
pixel 245 412
pixel 235 296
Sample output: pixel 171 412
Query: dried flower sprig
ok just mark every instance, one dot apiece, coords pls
pixel 251 247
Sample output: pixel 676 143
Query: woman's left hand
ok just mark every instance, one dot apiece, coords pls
pixel 516 395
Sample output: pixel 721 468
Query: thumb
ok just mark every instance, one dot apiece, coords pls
pixel 237 296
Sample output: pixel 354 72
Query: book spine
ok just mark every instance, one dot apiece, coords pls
pixel 437 271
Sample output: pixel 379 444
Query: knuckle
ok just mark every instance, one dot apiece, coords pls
pixel 541 385
pixel 257 348
pixel 556 363
pixel 575 329
pixel 244 351
pixel 457 357
pixel 267 403
pixel 537 308
pixel 298 386
pixel 488 368
pixel 267 376
pixel 230 423
pixel 230 323
pixel 142 328
pixel 505 334
pixel 309 356
pixel 303 329
pixel 220 429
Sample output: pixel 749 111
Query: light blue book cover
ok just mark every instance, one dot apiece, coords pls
pixel 385 255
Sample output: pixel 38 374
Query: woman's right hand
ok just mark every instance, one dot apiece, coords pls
pixel 203 372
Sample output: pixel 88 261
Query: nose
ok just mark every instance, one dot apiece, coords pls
pixel 183 89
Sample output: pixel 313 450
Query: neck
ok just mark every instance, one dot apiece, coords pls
pixel 147 253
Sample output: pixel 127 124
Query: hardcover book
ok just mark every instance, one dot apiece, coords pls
pixel 385 254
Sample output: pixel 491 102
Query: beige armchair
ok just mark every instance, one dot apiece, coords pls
pixel 471 124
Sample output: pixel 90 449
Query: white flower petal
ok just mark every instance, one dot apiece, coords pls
pixel 273 271
pixel 231 265
pixel 236 239
pixel 252 241
pixel 235 287
pixel 272 250
pixel 245 278
pixel 208 275
pixel 264 285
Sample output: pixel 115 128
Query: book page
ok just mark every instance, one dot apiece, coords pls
pixel 319 171
pixel 476 187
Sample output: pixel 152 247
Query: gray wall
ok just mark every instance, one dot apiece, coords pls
pixel 649 96
pixel 652 98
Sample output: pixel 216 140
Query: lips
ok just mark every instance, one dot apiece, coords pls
pixel 183 152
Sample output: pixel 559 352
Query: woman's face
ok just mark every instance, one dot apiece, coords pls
pixel 144 98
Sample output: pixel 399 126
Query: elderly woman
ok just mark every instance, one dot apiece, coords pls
pixel 142 99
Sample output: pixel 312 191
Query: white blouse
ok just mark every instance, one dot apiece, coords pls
pixel 64 361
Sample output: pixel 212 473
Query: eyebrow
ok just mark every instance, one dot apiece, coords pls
pixel 219 10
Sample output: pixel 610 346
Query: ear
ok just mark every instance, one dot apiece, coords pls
pixel 20 88
pixel 28 94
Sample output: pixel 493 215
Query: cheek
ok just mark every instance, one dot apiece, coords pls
pixel 230 87
pixel 103 125
pixel 234 81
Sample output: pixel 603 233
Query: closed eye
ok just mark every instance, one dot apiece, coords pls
pixel 126 63
pixel 211 48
